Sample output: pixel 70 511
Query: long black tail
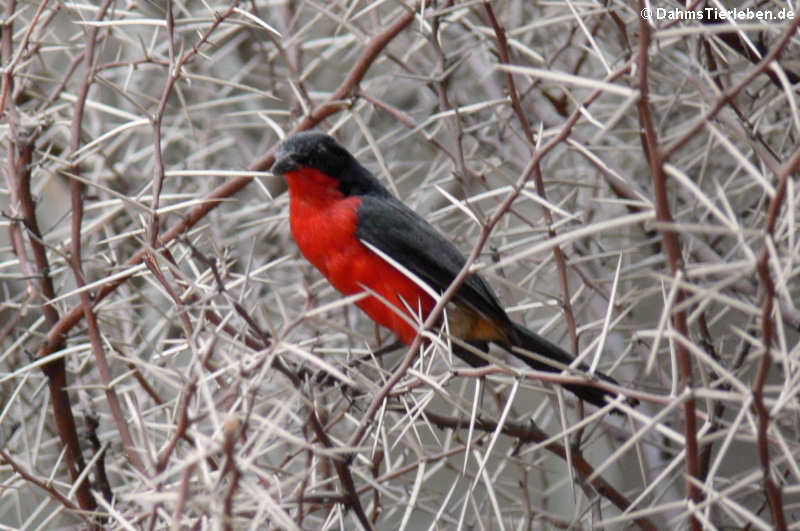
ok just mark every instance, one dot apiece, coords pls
pixel 524 339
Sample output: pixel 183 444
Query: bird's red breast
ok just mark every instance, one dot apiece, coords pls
pixel 324 223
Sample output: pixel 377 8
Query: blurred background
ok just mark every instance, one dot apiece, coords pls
pixel 168 359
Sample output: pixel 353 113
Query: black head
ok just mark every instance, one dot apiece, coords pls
pixel 312 149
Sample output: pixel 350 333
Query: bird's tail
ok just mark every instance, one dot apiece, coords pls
pixel 542 355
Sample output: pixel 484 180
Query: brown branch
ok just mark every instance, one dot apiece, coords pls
pixel 505 59
pixel 772 491
pixel 9 62
pixel 738 45
pixel 351 82
pixel 558 254
pixel 19 168
pixel 76 196
pixel 560 379
pixel 528 433
pixel 673 250
pixel 407 121
pixel 342 466
pixel 45 485
pixel 21 194
pixel 182 496
pixel 92 423
pixel 174 75
pixel 732 92
pixel 180 429
pixel 231 471
pixel 453 121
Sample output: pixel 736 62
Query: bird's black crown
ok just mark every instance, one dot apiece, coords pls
pixel 323 153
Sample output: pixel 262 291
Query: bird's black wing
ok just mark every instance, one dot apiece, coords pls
pixel 387 224
pixel 399 232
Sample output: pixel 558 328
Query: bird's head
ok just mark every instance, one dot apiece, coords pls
pixel 311 149
pixel 313 154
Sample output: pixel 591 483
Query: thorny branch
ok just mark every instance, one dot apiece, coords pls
pixel 194 309
pixel 673 248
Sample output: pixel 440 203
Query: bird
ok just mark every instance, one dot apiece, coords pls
pixel 363 239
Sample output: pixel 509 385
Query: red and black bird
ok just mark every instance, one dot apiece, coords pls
pixel 338 210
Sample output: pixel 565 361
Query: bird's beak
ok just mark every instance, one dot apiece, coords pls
pixel 284 165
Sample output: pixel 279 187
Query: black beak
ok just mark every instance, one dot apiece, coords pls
pixel 284 165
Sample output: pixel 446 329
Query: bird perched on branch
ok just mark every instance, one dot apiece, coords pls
pixel 362 238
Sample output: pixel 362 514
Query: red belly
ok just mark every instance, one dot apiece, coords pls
pixel 324 227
